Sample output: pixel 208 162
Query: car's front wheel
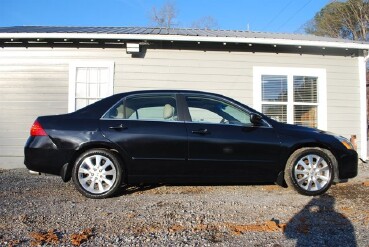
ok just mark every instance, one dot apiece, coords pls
pixel 97 173
pixel 310 171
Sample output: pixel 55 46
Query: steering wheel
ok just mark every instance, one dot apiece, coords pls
pixel 224 121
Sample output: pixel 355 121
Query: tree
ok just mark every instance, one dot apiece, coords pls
pixel 342 19
pixel 165 16
pixel 206 22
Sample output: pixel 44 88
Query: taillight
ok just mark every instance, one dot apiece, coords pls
pixel 37 130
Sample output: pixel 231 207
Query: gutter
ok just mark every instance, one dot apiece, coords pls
pixel 152 37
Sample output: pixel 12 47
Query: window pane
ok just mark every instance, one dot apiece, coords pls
pixel 80 103
pixel 237 114
pixel 204 115
pixel 153 113
pixel 94 75
pixel 81 75
pixel 214 111
pixel 81 90
pixel 305 115
pixel 104 90
pixel 104 75
pixel 274 88
pixel 116 112
pixel 93 91
pixel 91 101
pixel 276 112
pixel 305 89
pixel 145 108
pixel 151 108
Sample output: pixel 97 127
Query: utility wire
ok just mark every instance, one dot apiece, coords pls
pixel 279 13
pixel 298 11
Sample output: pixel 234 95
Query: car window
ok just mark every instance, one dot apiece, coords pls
pixel 153 107
pixel 209 110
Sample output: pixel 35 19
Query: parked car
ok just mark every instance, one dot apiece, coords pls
pixel 183 137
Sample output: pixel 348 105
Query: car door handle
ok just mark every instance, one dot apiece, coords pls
pixel 201 131
pixel 118 127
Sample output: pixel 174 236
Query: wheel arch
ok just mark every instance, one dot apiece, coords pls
pixel 280 179
pixel 66 171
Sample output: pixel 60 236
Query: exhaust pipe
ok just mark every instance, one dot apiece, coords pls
pixel 34 173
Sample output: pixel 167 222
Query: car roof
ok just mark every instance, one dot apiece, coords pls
pixel 176 91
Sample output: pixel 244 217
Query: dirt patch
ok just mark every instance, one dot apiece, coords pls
pixel 271 187
pixel 53 237
pixel 78 238
pixel 176 228
pixel 41 238
pixel 354 192
pixel 269 226
pixel 14 243
pixel 366 183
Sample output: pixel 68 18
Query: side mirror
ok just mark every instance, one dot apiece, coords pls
pixel 255 119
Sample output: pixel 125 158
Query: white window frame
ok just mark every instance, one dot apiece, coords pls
pixel 290 72
pixel 87 64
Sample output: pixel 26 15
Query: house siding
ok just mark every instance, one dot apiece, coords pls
pixel 34 81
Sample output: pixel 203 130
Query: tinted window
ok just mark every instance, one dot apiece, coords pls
pixel 210 110
pixel 158 107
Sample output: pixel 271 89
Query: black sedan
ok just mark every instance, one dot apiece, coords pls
pixel 183 137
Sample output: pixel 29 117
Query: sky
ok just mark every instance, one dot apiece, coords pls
pixel 283 16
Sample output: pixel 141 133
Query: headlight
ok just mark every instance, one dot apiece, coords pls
pixel 345 142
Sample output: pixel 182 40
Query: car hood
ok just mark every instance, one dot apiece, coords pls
pixel 303 129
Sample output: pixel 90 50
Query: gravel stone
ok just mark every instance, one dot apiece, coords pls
pixel 167 215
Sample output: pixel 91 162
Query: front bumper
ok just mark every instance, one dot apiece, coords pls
pixel 348 165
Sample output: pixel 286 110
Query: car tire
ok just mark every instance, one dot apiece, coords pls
pixel 310 171
pixel 97 173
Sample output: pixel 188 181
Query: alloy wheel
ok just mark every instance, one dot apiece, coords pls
pixel 312 172
pixel 97 174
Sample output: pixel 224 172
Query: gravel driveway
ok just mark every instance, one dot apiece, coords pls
pixel 42 210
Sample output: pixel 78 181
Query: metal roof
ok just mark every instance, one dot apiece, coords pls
pixel 183 34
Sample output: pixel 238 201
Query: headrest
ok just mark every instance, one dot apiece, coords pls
pixel 168 111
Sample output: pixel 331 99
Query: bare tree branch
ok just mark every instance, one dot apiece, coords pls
pixel 165 16
pixel 206 22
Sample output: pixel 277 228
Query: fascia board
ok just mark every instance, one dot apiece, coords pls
pixel 151 37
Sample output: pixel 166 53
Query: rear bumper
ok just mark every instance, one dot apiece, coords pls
pixel 42 155
pixel 348 165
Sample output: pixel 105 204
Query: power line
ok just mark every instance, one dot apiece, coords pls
pixel 298 11
pixel 279 13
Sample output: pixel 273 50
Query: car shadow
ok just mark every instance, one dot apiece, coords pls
pixel 132 189
pixel 318 224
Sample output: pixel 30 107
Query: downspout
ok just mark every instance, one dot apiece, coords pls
pixel 363 106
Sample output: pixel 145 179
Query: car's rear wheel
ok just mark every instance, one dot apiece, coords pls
pixel 97 174
pixel 310 171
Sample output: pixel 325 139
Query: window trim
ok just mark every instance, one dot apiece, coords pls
pixel 290 72
pixel 89 64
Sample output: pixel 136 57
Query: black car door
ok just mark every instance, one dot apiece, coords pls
pixel 147 127
pixel 225 146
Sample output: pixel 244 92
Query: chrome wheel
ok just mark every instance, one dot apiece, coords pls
pixel 312 172
pixel 97 174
